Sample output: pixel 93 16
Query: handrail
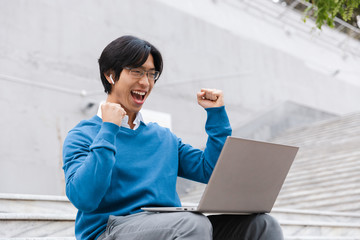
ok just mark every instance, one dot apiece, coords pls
pixel 283 16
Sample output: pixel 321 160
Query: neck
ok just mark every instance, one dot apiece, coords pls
pixel 132 117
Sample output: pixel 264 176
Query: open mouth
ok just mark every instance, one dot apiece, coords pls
pixel 139 97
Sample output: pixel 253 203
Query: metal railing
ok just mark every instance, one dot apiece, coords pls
pixel 345 39
pixel 340 25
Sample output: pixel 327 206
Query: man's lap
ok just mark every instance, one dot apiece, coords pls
pixel 185 225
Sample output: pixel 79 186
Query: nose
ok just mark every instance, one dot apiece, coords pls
pixel 144 80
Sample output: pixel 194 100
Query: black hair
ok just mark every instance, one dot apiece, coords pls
pixel 126 51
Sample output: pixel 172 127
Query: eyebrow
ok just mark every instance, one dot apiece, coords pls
pixel 144 68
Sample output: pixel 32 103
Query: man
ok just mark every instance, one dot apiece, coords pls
pixel 115 164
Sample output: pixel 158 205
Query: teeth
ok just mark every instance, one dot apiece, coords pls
pixel 139 93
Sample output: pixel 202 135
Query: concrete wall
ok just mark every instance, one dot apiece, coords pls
pixel 49 73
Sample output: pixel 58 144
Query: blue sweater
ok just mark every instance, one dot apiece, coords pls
pixel 112 170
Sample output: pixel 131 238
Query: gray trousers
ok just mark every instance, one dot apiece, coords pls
pixel 191 226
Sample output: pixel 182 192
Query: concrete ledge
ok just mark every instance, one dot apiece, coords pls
pixel 320 224
pixel 318 238
pixel 30 197
pixel 41 238
pixel 36 217
pixel 315 212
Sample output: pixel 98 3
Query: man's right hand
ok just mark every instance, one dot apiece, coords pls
pixel 112 112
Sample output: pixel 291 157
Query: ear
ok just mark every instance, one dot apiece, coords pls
pixel 110 77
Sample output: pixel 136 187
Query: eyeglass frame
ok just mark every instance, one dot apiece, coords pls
pixel 157 73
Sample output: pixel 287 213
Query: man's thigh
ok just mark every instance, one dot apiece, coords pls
pixel 245 227
pixel 146 225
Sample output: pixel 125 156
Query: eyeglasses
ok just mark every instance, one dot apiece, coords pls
pixel 139 73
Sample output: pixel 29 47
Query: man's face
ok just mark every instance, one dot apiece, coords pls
pixel 131 92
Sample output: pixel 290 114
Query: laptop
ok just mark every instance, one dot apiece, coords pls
pixel 247 178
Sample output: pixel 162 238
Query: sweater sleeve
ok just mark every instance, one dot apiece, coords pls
pixel 196 164
pixel 88 164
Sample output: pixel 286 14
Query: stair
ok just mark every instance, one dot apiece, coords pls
pixel 324 179
pixel 36 217
pixel 311 224
pixel 302 224
pixel 325 174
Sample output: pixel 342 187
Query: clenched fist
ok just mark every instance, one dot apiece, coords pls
pixel 208 98
pixel 112 112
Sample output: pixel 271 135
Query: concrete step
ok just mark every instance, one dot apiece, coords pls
pixel 30 225
pixel 309 224
pixel 310 196
pixel 36 216
pixel 39 238
pixel 294 194
pixel 320 169
pixel 313 215
pixel 302 230
pixel 52 218
pixel 321 183
pixel 320 238
pixel 24 203
pixel 296 224
pixel 343 201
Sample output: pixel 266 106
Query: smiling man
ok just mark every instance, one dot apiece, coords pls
pixel 115 164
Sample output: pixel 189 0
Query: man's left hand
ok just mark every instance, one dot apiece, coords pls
pixel 208 98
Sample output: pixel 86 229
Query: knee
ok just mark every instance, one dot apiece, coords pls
pixel 196 224
pixel 265 220
pixel 267 226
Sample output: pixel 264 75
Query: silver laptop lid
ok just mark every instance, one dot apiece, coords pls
pixel 247 177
